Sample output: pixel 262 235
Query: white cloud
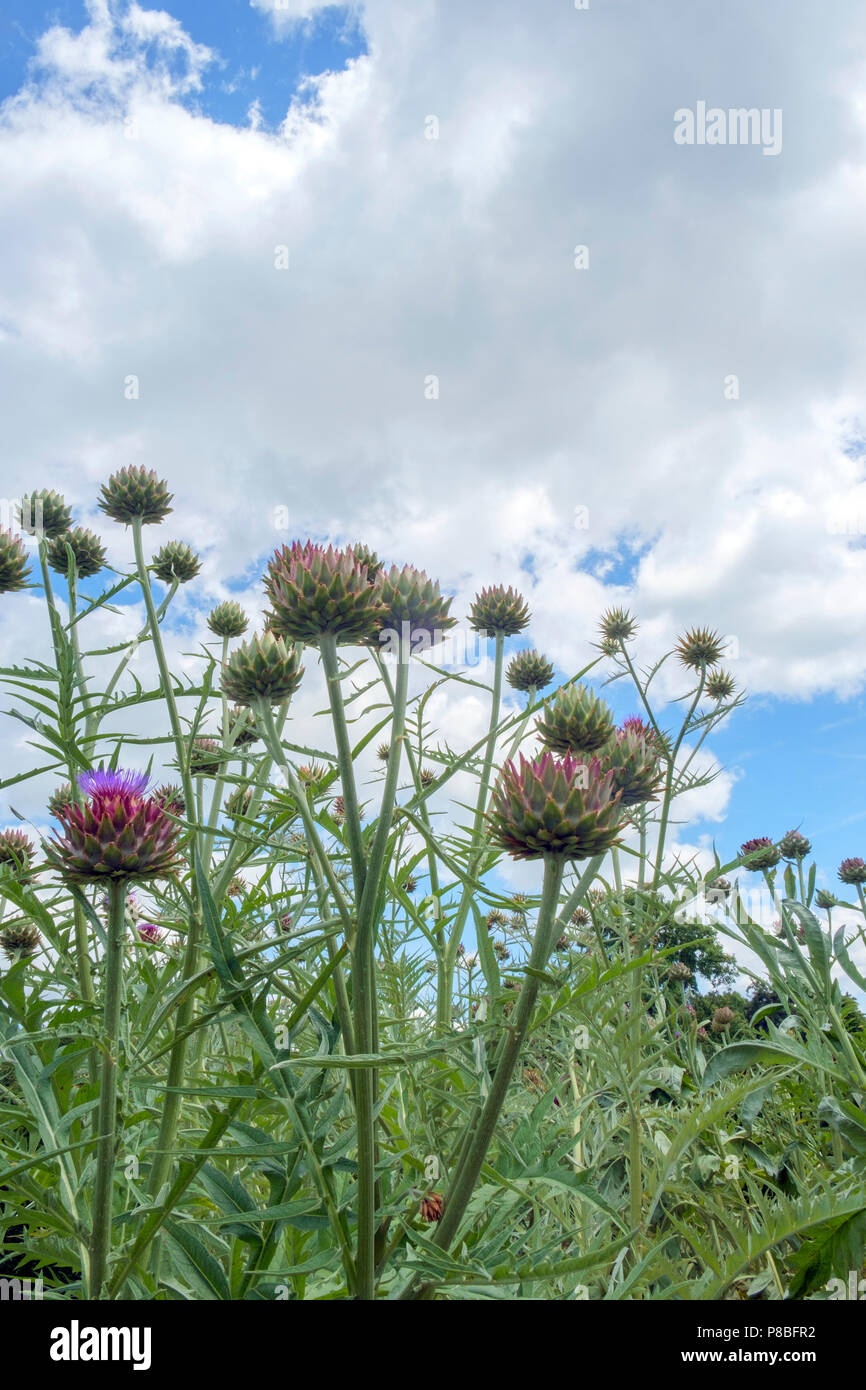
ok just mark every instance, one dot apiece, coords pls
pixel 141 237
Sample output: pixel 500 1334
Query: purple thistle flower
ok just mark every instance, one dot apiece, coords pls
pixel 118 833
pixel 105 782
pixel 852 871
pixel 760 853
pixel 635 725
pixel 150 932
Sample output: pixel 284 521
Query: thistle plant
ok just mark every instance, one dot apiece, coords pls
pixel 317 593
pixel 175 561
pixel 529 672
pixel 14 569
pixel 263 669
pixel 16 853
pixel 136 495
pixel 44 513
pixel 499 610
pixel 88 552
pixel 228 619
pixel 575 721
pixel 556 806
pixel 334 1031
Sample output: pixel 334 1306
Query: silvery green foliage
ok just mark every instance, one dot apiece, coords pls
pixel 339 969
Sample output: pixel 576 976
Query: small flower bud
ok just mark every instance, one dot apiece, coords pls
pixel 228 619
pixel 700 648
pixel 14 570
pixel 175 561
pixel 87 549
pixel 45 511
pixel 135 494
pixel 498 609
pixel 760 853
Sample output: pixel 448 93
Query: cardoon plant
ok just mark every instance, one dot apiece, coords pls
pixel 318 1094
pixel 530 672
pixel 14 569
pixel 87 549
pixel 317 593
pixel 119 836
pixel 575 720
pixel 45 514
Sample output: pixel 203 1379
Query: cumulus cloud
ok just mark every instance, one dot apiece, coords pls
pixel 369 321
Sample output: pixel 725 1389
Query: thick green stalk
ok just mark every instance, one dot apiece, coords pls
pixel 97 712
pixel 469 1170
pixel 76 646
pixel 635 1165
pixel 474 1145
pixel 331 664
pixel 802 882
pixel 100 1245
pixel 275 748
pixel 414 759
pixel 446 973
pixel 364 999
pixel 642 825
pixel 82 947
pixel 177 1060
pixel 219 780
pixel 225 872
pixel 669 779
pixel 164 673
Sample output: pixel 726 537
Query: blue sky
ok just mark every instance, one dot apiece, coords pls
pixel 453 256
pixel 251 63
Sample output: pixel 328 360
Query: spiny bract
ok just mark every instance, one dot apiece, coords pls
pixel 175 561
pixel 575 720
pixel 498 609
pixel 135 493
pixel 44 513
pixel 316 592
pixel 551 805
pixel 529 670
pixel 228 619
pixel 86 547
pixel 263 669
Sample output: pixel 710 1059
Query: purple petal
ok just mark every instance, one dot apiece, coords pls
pixel 104 782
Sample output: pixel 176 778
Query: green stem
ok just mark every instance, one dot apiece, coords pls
pixel 642 828
pixel 469 1169
pixel 100 1247
pixel 669 779
pixel 82 946
pixel 364 998
pixel 331 665
pixel 635 1155
pixel 275 748
pixel 177 1059
pixel 76 646
pixel 96 713
pixel 164 673
pixel 446 974
pixel 219 781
